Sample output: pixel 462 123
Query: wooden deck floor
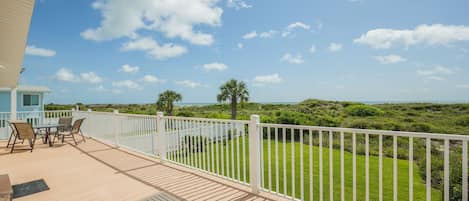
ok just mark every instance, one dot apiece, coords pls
pixel 96 171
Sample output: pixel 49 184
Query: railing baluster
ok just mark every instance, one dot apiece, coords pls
pixel 232 151
pixel 227 146
pixel 380 168
pixel 367 167
pixel 429 168
pixel 311 182
pixel 342 167
pixel 222 150
pixel 394 175
pixel 276 162
pixel 211 140
pixel 262 157
pixel 331 166
pixel 203 147
pixel 194 129
pixel 411 169
pixel 217 148
pixel 173 128
pixel 354 166
pixel 284 161
pixel 238 131
pixel 269 159
pixel 320 168
pixel 191 143
pixel 446 170
pixel 244 154
pixel 186 142
pixel 302 190
pixel 464 171
pixel 292 132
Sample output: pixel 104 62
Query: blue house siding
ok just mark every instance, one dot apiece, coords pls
pixel 5 101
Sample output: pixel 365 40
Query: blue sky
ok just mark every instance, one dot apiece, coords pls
pixel 286 51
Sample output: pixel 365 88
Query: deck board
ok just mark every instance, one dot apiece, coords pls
pixel 97 171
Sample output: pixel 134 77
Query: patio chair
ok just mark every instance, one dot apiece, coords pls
pixel 67 121
pixel 75 130
pixel 12 134
pixel 24 131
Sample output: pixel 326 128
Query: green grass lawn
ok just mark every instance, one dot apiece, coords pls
pixel 232 147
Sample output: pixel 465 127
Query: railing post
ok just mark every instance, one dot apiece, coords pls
pixel 161 137
pixel 254 153
pixel 116 128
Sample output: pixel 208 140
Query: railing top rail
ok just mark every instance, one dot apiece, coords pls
pixel 441 136
pixel 207 119
pixel 40 111
pixel 119 114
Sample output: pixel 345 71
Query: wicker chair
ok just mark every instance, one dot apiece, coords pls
pixel 75 130
pixel 24 131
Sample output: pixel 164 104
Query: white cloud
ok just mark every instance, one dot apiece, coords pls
pixel 152 48
pixel 215 66
pixel 268 34
pixel 254 34
pixel 437 70
pixel 437 73
pixel 151 79
pixel 126 68
pixel 436 34
pixel 175 18
pixel 312 49
pixel 188 83
pixel 297 25
pixel 66 75
pixel 116 91
pixel 334 47
pixel 99 88
pixel 36 51
pixel 237 4
pixel 240 45
pixel 463 86
pixel 250 35
pixel 126 84
pixel 437 78
pixel 91 77
pixel 297 59
pixel 267 79
pixel 390 59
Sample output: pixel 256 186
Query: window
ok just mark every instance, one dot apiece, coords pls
pixel 30 100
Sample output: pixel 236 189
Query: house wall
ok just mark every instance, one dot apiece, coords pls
pixel 5 102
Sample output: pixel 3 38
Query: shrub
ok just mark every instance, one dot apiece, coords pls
pixel 363 111
pixel 463 121
pixel 363 124
pixel 185 114
pixel 420 127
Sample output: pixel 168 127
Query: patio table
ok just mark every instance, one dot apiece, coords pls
pixel 47 128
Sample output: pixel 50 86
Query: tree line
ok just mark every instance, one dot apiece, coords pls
pixel 233 91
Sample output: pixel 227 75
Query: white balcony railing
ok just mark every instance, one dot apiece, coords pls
pixel 32 117
pixel 298 162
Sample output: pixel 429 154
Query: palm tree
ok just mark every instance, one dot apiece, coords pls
pixel 166 101
pixel 234 91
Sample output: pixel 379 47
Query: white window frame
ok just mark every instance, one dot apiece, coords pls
pixel 31 94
